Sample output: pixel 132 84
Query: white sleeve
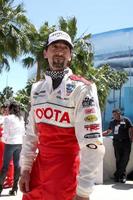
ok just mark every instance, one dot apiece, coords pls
pixel 30 140
pixel 88 129
pixel 6 129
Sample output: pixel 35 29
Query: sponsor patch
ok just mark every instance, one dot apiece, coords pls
pixel 92 127
pixel 99 143
pixel 91 118
pixel 92 135
pixel 89 110
pixel 87 102
pixel 41 94
pixel 52 114
pixel 69 88
pixel 92 146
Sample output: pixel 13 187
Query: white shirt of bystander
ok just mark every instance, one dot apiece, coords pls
pixel 13 129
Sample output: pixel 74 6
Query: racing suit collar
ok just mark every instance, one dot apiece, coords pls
pixel 49 82
pixel 66 73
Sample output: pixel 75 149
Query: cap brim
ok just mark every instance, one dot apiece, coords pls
pixel 67 42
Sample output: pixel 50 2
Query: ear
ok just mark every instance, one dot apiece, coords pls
pixel 45 54
pixel 70 57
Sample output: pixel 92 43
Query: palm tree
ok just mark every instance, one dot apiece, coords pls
pixel 118 78
pixel 6 95
pixel 23 97
pixel 38 41
pixel 14 31
pixel 82 54
pixel 123 78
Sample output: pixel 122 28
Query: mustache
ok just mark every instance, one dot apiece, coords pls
pixel 57 56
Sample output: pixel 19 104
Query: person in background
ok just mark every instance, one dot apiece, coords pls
pixel 4 110
pixel 13 131
pixel 122 128
pixel 64 121
pixel 1 132
pixel 8 182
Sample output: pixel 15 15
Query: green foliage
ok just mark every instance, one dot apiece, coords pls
pixel 98 75
pixel 36 48
pixel 6 95
pixel 118 79
pixel 23 96
pixel 68 25
pixel 14 31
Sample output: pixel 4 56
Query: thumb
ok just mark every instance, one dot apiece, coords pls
pixel 27 189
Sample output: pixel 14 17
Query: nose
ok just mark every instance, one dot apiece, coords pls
pixel 59 52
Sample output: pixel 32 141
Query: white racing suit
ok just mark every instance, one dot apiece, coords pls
pixel 63 124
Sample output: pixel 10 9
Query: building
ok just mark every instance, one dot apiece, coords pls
pixel 116 49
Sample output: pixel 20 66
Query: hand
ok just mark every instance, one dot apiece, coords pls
pixel 24 181
pixel 81 198
pixel 104 133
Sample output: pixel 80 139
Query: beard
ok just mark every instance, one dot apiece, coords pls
pixel 58 63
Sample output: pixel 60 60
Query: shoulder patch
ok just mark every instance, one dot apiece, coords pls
pixel 81 79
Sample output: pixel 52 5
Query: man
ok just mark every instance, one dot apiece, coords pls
pixel 121 127
pixel 64 120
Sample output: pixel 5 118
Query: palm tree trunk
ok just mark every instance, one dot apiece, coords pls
pixel 38 75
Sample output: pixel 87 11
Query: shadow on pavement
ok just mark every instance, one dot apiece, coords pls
pixel 119 186
pixel 122 186
pixel 4 195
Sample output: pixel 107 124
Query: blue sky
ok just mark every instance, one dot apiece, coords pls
pixel 93 16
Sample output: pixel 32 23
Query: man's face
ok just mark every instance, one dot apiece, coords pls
pixel 58 55
pixel 116 116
